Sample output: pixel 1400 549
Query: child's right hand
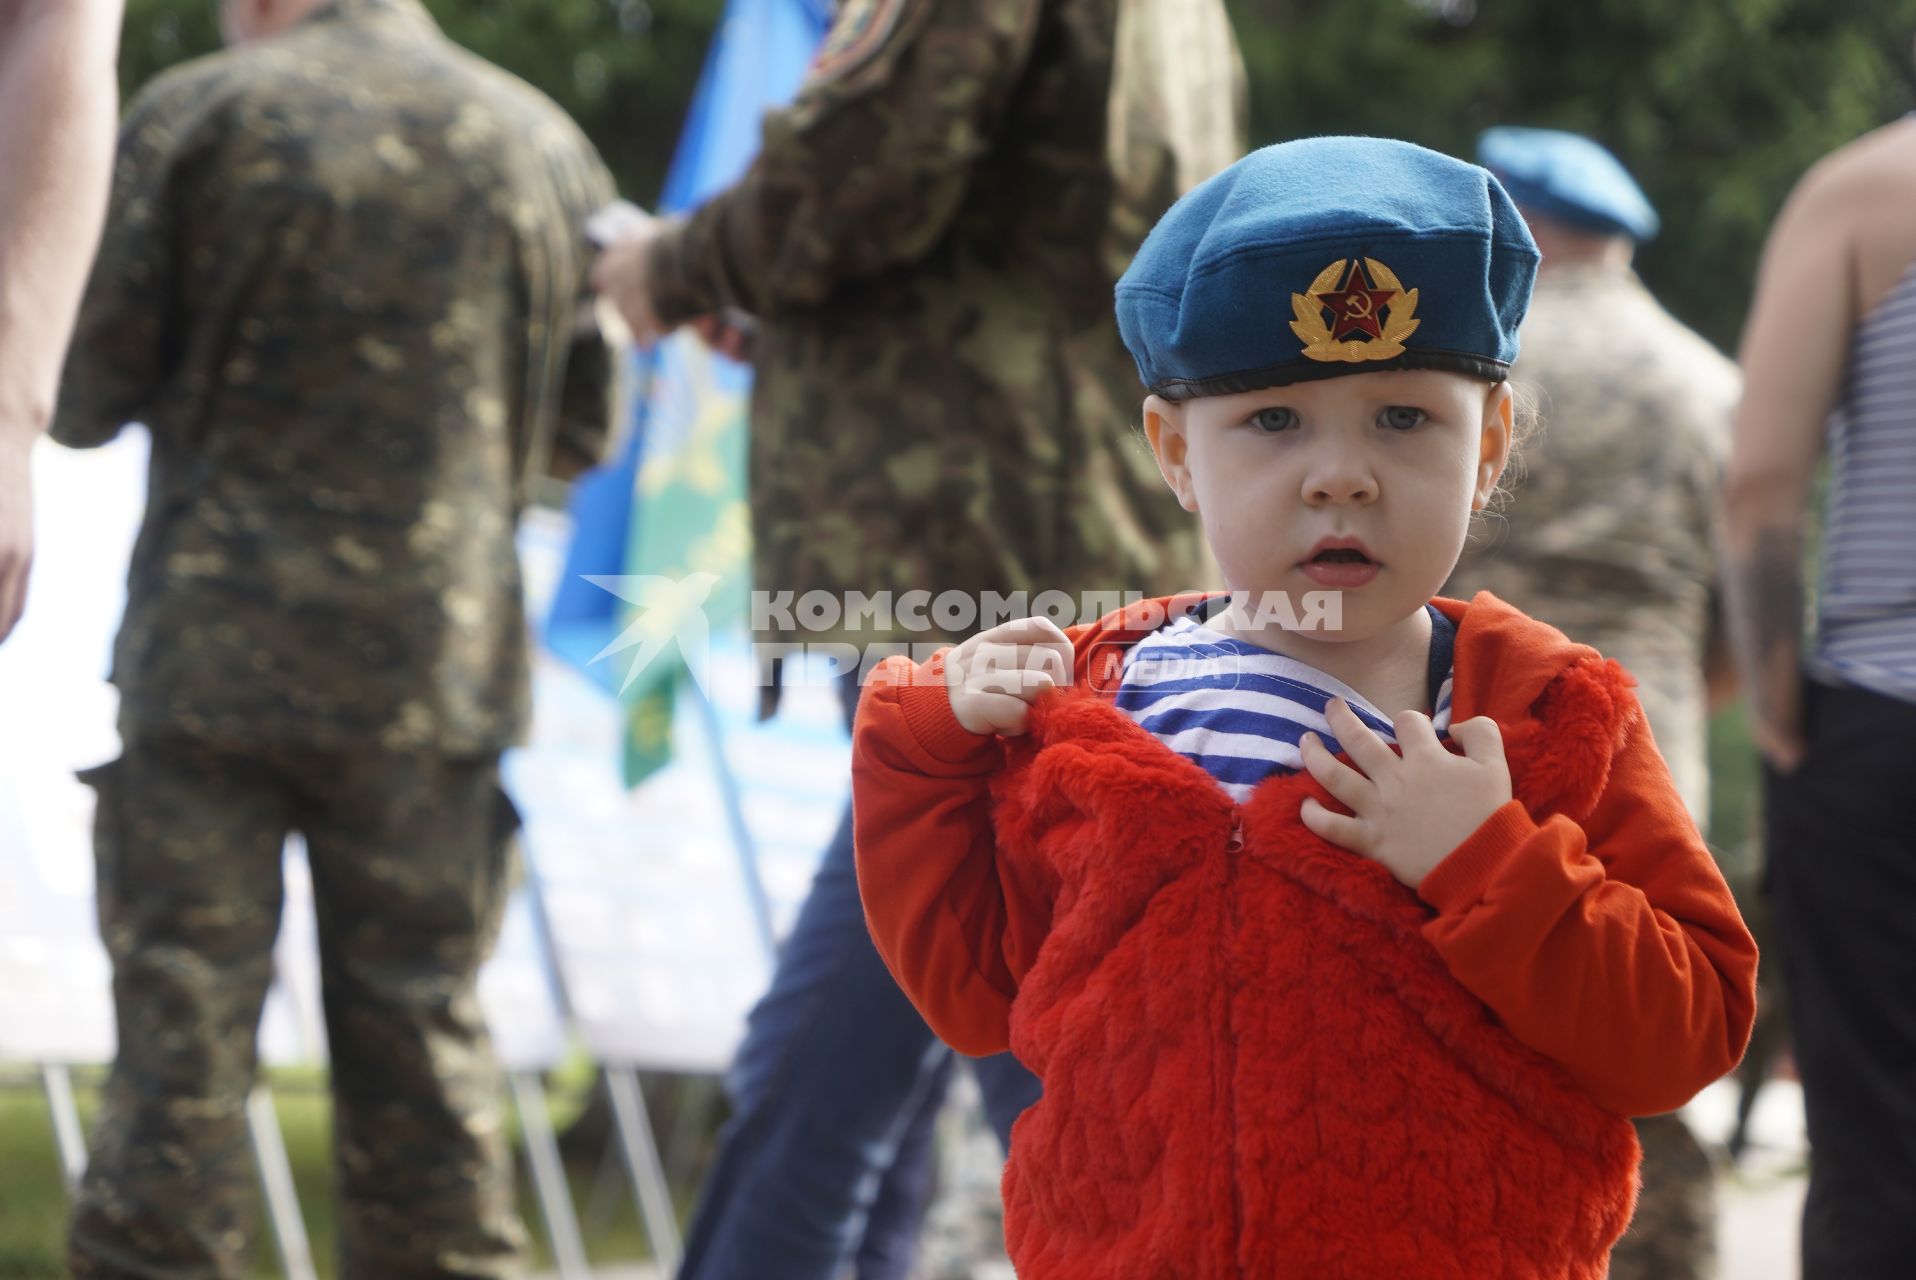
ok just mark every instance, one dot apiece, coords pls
pixel 994 677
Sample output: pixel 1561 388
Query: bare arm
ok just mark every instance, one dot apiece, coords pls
pixel 1794 347
pixel 59 95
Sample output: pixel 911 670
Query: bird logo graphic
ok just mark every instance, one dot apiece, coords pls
pixel 667 611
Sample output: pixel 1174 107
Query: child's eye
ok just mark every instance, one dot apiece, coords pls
pixel 1401 417
pixel 1274 418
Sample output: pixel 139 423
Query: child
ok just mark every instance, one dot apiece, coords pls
pixel 1306 1003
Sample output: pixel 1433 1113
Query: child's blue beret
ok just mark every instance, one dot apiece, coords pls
pixel 1323 257
pixel 1568 177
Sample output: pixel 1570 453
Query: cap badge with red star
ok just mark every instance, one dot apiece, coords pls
pixel 1347 317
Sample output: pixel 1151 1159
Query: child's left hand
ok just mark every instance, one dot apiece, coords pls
pixel 1407 812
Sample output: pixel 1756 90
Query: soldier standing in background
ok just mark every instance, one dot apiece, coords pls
pixel 1610 535
pixel 928 240
pixel 343 284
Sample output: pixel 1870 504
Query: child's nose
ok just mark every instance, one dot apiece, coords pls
pixel 1339 477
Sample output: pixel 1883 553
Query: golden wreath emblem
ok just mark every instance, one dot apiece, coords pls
pixel 1380 308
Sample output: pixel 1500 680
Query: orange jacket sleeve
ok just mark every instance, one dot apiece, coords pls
pixel 955 931
pixel 1614 948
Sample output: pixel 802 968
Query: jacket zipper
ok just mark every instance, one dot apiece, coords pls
pixel 1234 845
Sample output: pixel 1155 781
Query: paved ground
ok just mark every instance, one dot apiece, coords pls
pixel 1759 1203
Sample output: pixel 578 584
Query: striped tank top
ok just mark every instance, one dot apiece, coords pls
pixel 1866 606
pixel 1238 711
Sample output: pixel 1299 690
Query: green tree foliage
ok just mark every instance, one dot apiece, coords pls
pixel 1717 106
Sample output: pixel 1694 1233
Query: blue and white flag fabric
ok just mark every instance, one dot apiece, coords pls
pixel 661 552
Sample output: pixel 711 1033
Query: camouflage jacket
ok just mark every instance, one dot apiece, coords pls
pixel 343 284
pixel 1608 533
pixel 929 237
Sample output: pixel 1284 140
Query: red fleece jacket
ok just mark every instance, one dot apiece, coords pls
pixel 1262 1055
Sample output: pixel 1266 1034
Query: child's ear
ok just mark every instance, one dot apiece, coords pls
pixel 1164 428
pixel 1493 446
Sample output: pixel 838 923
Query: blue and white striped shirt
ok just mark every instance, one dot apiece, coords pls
pixel 1866 606
pixel 1237 710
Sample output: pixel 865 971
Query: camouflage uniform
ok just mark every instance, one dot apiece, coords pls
pixel 343 285
pixel 930 236
pixel 1608 533
pixel 411 855
pixel 1608 538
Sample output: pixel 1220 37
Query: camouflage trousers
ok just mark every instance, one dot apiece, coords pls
pixel 1673 1235
pixel 411 858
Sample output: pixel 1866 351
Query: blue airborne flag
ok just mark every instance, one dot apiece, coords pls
pixel 661 547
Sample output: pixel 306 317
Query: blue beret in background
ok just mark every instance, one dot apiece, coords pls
pixel 1328 256
pixel 1568 177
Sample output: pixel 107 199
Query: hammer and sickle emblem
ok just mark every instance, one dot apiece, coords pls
pixel 1357 305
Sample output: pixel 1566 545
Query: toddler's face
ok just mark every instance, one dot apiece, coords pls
pixel 1361 484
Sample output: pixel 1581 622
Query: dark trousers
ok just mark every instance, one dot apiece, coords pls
pixel 826 1161
pixel 411 857
pixel 1672 1235
pixel 1842 847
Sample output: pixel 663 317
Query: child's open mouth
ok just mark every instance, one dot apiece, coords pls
pixel 1340 567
